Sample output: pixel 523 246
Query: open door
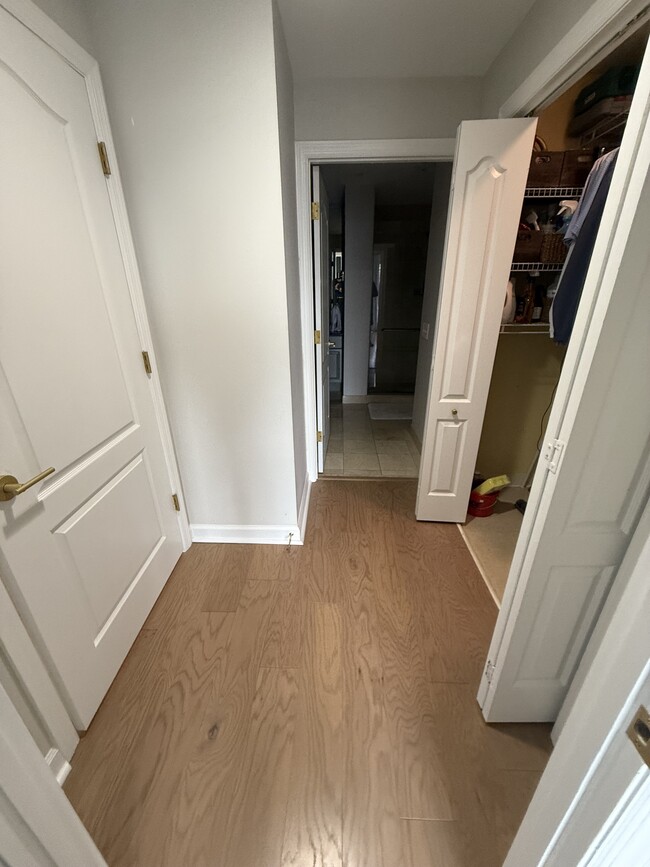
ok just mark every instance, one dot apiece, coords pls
pixel 321 248
pixel 594 476
pixel 488 182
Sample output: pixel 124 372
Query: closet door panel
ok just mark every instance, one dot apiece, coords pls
pixel 593 479
pixel 489 177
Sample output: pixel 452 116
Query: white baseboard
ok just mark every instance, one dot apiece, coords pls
pixel 252 534
pixel 60 766
pixel 303 509
pixel 518 480
pixel 377 398
pixel 354 398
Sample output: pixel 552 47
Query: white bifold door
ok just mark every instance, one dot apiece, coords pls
pixel 86 550
pixel 593 478
pixel 321 264
pixel 487 189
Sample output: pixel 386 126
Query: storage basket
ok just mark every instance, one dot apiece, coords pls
pixel 545 169
pixel 576 167
pixel 553 248
pixel 527 246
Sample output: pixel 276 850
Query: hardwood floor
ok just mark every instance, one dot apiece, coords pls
pixel 312 706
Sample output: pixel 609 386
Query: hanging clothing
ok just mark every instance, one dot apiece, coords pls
pixel 598 171
pixel 583 234
pixel 336 322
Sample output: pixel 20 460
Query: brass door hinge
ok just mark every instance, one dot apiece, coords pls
pixel 147 363
pixel 317 338
pixel 103 158
pixel 176 502
pixel 315 211
pixel 639 733
pixel 319 436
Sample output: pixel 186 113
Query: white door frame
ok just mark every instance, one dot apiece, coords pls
pixel 37 21
pixel 48 831
pixel 309 153
pixel 606 24
pixel 30 680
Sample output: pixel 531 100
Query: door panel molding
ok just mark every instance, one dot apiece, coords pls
pixel 489 177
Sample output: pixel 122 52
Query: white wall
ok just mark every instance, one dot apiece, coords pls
pixel 539 32
pixel 358 259
pixel 437 232
pixel 367 108
pixel 284 82
pixel 191 89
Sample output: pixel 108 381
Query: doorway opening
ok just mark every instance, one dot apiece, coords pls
pixel 385 240
pixel 581 125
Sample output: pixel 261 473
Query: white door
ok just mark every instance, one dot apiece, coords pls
pixel 592 804
pixel 86 551
pixel 594 477
pixel 487 189
pixel 321 247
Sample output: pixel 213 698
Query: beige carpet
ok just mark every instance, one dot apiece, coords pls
pixel 492 542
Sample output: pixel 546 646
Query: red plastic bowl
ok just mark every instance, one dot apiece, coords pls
pixel 481 505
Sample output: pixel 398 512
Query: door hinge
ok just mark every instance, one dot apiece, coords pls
pixel 176 502
pixel 103 158
pixel 489 671
pixel 319 436
pixel 553 455
pixel 639 733
pixel 315 211
pixel 317 338
pixel 147 363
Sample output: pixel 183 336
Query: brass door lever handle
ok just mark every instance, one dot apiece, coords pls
pixel 11 487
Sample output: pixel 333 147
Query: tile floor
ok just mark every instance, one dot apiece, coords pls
pixel 361 447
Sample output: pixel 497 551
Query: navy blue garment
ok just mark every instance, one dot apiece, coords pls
pixel 567 297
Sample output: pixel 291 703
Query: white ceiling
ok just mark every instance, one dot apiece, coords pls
pixel 397 38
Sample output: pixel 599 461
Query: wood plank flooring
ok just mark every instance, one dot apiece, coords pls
pixel 312 706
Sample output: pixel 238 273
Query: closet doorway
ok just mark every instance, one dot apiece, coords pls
pixel 578 135
pixel 591 470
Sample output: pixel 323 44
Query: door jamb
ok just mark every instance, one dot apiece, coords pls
pixel 309 153
pixel 36 818
pixel 38 22
pixel 596 34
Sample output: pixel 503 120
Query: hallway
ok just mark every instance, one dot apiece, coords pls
pixel 311 706
pixel 362 447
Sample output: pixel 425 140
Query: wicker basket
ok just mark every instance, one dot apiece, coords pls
pixel 527 246
pixel 553 248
